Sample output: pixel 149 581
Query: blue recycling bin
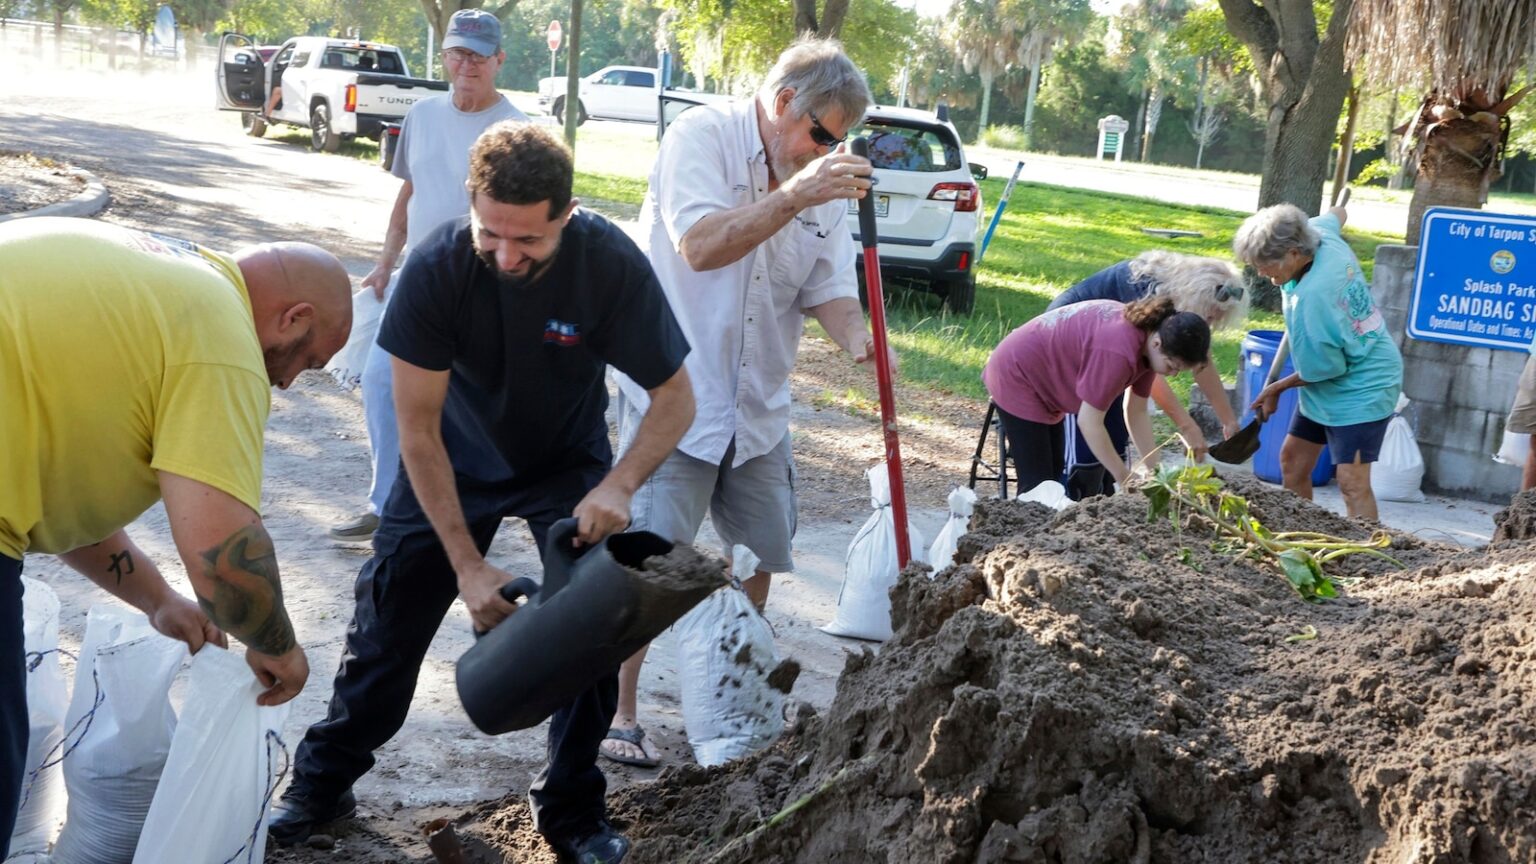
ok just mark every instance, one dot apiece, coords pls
pixel 1259 348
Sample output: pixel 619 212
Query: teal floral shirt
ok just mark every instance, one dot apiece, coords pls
pixel 1339 341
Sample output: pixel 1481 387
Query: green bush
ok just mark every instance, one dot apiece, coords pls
pixel 1004 137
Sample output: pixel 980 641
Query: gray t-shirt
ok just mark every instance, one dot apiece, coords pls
pixel 433 153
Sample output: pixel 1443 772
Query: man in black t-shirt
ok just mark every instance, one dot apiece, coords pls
pixel 500 332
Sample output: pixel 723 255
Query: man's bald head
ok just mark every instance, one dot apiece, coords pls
pixel 301 300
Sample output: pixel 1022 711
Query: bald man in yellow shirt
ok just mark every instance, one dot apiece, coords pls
pixel 135 368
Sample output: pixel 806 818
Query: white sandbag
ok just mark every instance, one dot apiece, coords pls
pixel 1514 449
pixel 225 763
pixel 871 568
pixel 42 786
pixel 347 365
pixel 1399 470
pixel 113 757
pixel 941 554
pixel 725 649
pixel 1050 493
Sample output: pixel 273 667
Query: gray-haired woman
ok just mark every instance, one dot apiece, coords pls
pixel 1347 366
pixel 1208 287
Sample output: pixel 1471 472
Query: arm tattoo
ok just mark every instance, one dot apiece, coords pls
pixel 122 565
pixel 247 599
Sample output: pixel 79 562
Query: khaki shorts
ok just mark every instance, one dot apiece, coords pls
pixel 752 504
pixel 1522 415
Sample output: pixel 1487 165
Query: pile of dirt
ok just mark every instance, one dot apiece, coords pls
pixel 1077 690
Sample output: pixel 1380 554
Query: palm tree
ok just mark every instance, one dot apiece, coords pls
pixel 1465 55
pixel 994 37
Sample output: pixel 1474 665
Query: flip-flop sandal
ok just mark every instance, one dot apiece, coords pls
pixel 635 736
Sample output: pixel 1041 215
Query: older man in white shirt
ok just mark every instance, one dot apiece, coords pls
pixel 746 210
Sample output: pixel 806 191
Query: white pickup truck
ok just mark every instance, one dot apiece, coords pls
pixel 618 93
pixel 336 88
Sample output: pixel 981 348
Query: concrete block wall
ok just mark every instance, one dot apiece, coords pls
pixel 1461 394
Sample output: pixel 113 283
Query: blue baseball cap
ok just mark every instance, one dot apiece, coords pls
pixel 475 29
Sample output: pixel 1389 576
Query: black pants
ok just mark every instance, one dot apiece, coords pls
pixel 403 592
pixel 13 700
pixel 1038 450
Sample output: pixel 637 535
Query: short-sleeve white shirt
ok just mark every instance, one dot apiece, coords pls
pixel 743 320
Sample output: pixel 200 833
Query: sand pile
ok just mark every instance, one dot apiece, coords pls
pixel 1079 691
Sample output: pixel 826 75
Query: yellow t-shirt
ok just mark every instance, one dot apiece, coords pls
pixel 121 354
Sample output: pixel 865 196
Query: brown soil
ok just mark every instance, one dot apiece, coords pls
pixel 28 182
pixel 1518 520
pixel 1074 693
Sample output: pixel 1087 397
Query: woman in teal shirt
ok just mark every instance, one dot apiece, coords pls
pixel 1347 365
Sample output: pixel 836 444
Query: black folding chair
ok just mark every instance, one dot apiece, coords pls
pixel 998 471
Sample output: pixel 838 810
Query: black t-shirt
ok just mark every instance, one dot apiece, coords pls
pixel 1111 283
pixel 526 395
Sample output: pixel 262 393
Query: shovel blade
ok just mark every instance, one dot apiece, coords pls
pixel 1237 449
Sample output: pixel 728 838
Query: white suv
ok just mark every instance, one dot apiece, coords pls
pixel 927 204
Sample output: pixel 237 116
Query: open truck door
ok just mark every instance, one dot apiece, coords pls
pixel 241 74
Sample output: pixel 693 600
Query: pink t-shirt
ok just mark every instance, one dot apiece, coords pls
pixel 1085 352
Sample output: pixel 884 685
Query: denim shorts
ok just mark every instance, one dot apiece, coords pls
pixel 1344 441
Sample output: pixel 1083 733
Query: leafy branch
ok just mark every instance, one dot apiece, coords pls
pixel 1195 492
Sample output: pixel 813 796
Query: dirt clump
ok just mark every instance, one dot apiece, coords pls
pixel 685 568
pixel 1518 520
pixel 1085 690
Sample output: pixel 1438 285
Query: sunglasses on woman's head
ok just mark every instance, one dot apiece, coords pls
pixel 1228 292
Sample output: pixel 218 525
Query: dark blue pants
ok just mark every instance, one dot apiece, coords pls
pixel 403 592
pixel 1085 476
pixel 13 700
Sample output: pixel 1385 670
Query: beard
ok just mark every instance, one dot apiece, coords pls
pixel 536 268
pixel 783 167
pixel 278 357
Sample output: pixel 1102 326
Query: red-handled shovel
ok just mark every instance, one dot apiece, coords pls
pixel 867 236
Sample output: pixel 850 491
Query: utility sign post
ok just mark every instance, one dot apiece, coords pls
pixel 1476 280
pixel 1112 131
pixel 553 35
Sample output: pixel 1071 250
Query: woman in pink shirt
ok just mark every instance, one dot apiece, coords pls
pixel 1077 359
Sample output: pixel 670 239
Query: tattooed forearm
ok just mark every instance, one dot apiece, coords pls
pixel 121 565
pixel 247 598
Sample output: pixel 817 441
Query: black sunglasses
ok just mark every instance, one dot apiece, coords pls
pixel 820 135
pixel 1229 292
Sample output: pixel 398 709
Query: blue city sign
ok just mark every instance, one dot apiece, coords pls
pixel 1476 279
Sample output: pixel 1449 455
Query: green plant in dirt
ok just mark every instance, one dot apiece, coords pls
pixel 1194 493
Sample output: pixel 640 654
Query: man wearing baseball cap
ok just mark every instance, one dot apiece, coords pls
pixel 432 158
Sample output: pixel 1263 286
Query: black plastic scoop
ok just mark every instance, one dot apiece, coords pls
pixel 1237 449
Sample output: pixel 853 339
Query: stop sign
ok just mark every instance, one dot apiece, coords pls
pixel 553 35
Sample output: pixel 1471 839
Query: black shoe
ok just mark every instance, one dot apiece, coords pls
pixel 603 846
pixel 296 816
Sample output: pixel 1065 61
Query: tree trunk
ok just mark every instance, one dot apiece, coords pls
pixel 1141 116
pixel 1029 104
pixel 832 17
pixel 805 16
pixel 572 75
pixel 1304 86
pixel 986 99
pixel 1457 165
pixel 1347 142
pixel 1201 133
pixel 1154 115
